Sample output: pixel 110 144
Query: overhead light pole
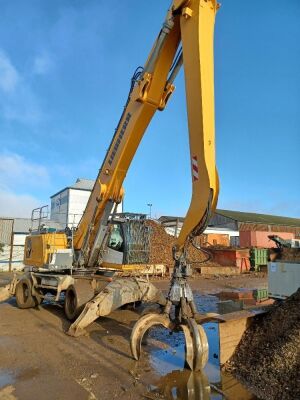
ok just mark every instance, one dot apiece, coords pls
pixel 150 207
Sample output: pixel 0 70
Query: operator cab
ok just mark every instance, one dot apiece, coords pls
pixel 128 240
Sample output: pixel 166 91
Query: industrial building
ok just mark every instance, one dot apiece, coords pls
pixel 68 205
pixel 254 229
pixel 243 229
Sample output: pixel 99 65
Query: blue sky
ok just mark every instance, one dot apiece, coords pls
pixel 65 68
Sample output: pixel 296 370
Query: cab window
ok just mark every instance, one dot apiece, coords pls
pixel 115 240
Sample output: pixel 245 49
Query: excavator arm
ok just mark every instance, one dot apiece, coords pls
pixel 185 38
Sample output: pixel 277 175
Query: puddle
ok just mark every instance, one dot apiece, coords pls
pixel 167 354
pixel 6 378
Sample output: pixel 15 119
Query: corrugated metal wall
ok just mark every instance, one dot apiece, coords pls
pixel 6 239
pixel 218 220
pixel 6 230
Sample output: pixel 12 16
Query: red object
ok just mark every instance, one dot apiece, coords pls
pixel 237 295
pixel 249 302
pixel 232 257
pixel 260 238
pixel 195 169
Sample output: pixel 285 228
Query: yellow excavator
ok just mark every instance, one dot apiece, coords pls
pixel 96 267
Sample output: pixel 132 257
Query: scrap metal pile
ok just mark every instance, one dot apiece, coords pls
pixel 267 359
pixel 285 254
pixel 161 244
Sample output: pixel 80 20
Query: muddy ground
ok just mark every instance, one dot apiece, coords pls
pixel 39 361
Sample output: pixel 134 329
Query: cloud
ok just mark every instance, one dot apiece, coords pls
pixel 9 76
pixel 17 205
pixel 17 178
pixel 18 102
pixel 15 171
pixel 43 64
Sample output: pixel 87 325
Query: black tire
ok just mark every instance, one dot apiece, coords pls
pixel 23 294
pixel 76 297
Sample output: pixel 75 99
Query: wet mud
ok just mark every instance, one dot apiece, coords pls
pixel 38 360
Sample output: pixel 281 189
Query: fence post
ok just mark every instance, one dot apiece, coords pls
pixel 11 246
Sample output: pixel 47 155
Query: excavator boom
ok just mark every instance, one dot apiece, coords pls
pixel 185 38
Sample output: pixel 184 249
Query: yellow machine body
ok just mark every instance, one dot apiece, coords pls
pixel 39 248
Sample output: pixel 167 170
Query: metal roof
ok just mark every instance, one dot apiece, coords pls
pixel 80 184
pixel 83 184
pixel 240 216
pixel 168 218
pixel 259 218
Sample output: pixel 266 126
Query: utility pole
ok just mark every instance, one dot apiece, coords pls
pixel 150 206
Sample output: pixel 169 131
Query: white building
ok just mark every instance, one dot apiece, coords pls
pixel 68 205
pixel 217 224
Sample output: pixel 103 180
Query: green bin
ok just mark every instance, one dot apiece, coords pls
pixel 258 257
pixel 260 294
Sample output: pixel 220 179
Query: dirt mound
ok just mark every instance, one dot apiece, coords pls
pixel 161 244
pixel 268 358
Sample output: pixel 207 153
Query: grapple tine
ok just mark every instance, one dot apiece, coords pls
pixel 189 352
pixel 181 297
pixel 140 328
pixel 196 345
pixel 203 358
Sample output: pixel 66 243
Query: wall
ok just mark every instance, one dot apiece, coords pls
pixel 77 203
pixel 59 207
pixel 214 239
pixel 19 239
pixel 260 238
pixel 68 206
pixel 17 258
pixel 218 220
pixel 247 226
pixel 170 228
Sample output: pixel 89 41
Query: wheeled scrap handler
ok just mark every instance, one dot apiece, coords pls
pixel 97 266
